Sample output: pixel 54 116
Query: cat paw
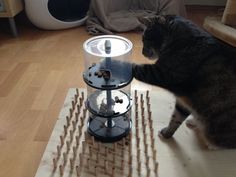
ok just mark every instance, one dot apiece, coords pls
pixel 160 135
pixel 165 133
pixel 191 123
pixel 206 142
pixel 212 147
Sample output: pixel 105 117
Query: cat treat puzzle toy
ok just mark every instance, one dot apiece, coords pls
pixel 108 105
pixel 105 130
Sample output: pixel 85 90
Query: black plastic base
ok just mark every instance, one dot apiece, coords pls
pixel 97 127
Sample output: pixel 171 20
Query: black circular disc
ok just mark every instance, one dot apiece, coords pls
pixel 118 78
pixel 97 127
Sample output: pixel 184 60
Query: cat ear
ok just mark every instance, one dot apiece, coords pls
pixel 160 19
pixel 147 21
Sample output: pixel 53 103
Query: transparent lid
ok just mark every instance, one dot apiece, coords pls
pixel 119 46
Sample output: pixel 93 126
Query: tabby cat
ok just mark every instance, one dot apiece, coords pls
pixel 193 65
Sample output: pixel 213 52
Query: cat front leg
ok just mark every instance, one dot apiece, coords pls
pixel 179 115
pixel 149 73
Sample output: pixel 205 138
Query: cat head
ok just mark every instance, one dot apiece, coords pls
pixel 153 35
pixel 161 31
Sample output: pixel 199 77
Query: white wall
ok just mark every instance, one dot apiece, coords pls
pixel 206 2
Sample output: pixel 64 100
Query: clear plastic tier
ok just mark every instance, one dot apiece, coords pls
pixel 100 104
pixel 107 62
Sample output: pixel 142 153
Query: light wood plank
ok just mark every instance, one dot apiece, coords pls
pixel 45 95
pixel 12 79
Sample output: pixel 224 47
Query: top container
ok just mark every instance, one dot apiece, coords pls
pixel 107 62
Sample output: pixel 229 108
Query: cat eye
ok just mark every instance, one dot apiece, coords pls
pixel 147 38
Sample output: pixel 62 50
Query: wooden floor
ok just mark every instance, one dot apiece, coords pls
pixel 36 71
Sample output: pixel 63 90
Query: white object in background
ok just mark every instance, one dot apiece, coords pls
pixel 1 6
pixel 39 14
